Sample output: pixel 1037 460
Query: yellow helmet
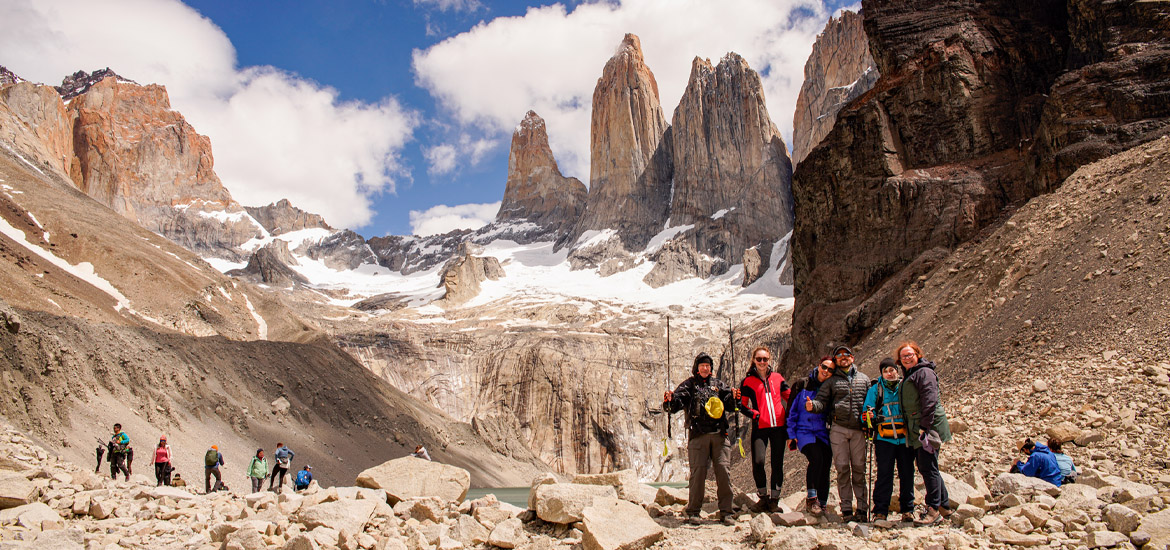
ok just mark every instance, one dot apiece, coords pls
pixel 714 407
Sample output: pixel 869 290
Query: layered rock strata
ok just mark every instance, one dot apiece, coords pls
pixel 973 112
pixel 839 70
pixel 630 167
pixel 536 191
pixel 282 217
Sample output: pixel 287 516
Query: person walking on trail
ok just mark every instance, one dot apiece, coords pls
pixel 258 471
pixel 884 402
pixel 926 427
pixel 764 399
pixel 421 452
pixel 283 456
pixel 810 432
pixel 706 399
pixel 303 478
pixel 1041 463
pixel 212 460
pixel 842 399
pixel 119 450
pixel 162 462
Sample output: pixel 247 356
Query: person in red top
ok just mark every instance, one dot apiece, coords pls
pixel 162 462
pixel 764 399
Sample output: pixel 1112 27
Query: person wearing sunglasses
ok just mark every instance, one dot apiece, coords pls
pixel 810 432
pixel 765 400
pixel 842 398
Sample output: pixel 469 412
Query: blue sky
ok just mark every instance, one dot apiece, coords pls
pixel 395 116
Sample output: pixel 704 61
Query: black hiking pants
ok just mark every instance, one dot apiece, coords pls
pixel 890 456
pixel 162 473
pixel 820 463
pixel 277 477
pixel 761 439
pixel 936 490
pixel 118 464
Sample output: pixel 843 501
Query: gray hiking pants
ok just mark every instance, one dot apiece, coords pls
pixel 702 449
pixel 849 459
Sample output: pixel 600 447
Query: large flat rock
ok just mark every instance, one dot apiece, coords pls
pixel 565 502
pixel 16 490
pixel 410 477
pixel 341 515
pixel 614 524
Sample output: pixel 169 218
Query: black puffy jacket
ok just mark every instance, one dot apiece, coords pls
pixel 691 396
pixel 844 395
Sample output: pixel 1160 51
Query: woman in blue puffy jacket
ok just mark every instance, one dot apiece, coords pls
pixel 810 432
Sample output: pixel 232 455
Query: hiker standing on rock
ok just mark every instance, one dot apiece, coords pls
pixel 885 401
pixel 765 400
pixel 162 462
pixel 119 448
pixel 810 432
pixel 706 400
pixel 926 427
pixel 283 456
pixel 258 471
pixel 842 398
pixel 212 460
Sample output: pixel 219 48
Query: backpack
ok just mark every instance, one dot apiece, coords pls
pixel 303 477
pixel 888 428
pixel 211 458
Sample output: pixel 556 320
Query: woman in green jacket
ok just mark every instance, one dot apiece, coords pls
pixel 258 470
pixel 926 427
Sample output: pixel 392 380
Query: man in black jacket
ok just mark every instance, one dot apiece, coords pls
pixel 708 402
pixel 843 396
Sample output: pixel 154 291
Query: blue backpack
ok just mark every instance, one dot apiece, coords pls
pixel 304 477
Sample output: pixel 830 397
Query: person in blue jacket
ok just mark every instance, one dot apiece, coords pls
pixel 883 402
pixel 810 432
pixel 1041 463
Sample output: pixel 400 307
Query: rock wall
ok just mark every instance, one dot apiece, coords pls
pixel 951 135
pixel 282 217
pixel 630 167
pixel 536 191
pixel 839 70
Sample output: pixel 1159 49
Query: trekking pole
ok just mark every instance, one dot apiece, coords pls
pixel 731 354
pixel 665 410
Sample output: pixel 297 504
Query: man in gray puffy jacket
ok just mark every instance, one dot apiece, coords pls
pixel 843 395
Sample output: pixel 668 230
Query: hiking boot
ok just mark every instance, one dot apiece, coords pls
pixel 846 516
pixel 773 505
pixel 946 512
pixel 812 506
pixel 726 518
pixel 759 506
pixel 908 517
pixel 929 517
pixel 880 517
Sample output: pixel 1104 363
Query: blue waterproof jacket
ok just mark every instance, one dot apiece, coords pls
pixel 1042 464
pixel 891 410
pixel 803 426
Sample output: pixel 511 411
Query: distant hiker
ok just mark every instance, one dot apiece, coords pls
pixel 926 427
pixel 842 398
pixel 119 447
pixel 101 452
pixel 283 456
pixel 706 400
pixel 303 478
pixel 884 402
pixel 212 460
pixel 421 452
pixel 1068 471
pixel 810 431
pixel 1040 464
pixel 162 462
pixel 178 481
pixel 258 471
pixel 764 399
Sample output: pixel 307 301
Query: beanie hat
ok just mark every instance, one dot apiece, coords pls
pixel 214 447
pixel 887 362
pixel 701 358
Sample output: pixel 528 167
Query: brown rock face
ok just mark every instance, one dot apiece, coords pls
pixel 732 175
pixel 34 120
pixel 536 191
pixel 270 266
pixel 630 168
pixel 979 106
pixel 462 275
pixel 282 217
pixel 839 70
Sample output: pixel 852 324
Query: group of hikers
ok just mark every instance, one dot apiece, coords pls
pixel 120 455
pixel 835 417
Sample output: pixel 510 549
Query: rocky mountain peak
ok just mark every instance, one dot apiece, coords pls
pixel 80 82
pixel 282 217
pixel 839 70
pixel 630 168
pixel 536 191
pixel 8 77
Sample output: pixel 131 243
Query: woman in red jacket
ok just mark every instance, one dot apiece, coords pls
pixel 765 400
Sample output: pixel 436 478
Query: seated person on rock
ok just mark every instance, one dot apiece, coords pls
pixel 1041 463
pixel 1068 471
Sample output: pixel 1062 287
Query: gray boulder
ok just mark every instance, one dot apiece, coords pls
pixel 565 502
pixel 340 515
pixel 16 490
pixel 615 524
pixel 410 477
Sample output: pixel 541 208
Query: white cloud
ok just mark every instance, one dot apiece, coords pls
pixel 550 58
pixel 441 159
pixel 442 218
pixel 450 5
pixel 274 135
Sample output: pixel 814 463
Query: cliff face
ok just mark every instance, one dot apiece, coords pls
pixel 282 217
pixel 630 168
pixel 979 106
pixel 34 120
pixel 838 71
pixel 732 175
pixel 536 191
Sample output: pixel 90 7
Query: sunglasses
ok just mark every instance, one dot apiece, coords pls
pixel 844 354
pixel 763 359
pixel 824 368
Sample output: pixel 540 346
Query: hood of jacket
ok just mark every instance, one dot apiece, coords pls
pixel 922 364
